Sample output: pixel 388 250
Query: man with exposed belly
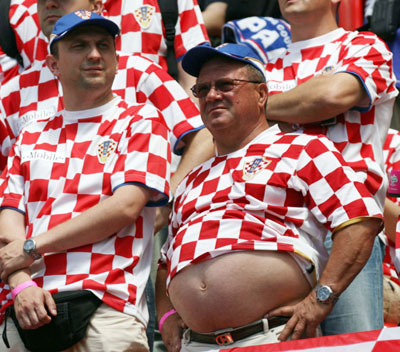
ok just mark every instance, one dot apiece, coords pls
pixel 245 247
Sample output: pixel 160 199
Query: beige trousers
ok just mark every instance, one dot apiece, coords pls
pixel 109 330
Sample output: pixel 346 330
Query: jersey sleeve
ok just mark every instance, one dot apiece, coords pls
pixel 158 88
pixel 145 156
pixel 331 189
pixel 368 57
pixel 12 182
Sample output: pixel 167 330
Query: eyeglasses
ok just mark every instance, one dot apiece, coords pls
pixel 200 90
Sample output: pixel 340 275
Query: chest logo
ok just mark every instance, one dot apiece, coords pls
pixel 105 150
pixel 253 167
pixel 144 15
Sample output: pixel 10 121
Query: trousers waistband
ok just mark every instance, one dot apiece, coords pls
pixel 229 336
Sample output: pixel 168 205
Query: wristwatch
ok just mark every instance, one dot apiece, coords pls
pixel 325 294
pixel 30 249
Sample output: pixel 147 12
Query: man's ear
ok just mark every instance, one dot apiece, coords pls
pixel 52 64
pixel 263 94
pixel 97 6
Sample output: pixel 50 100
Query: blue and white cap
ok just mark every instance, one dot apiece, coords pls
pixel 81 18
pixel 196 57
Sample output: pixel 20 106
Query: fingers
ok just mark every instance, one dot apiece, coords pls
pixel 30 307
pixel 49 302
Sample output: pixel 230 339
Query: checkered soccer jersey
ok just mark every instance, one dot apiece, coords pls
pixel 62 166
pixel 25 24
pixel 142 31
pixel 35 94
pixel 283 191
pixel 359 133
pixel 391 152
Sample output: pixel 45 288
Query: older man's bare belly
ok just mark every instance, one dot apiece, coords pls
pixel 236 289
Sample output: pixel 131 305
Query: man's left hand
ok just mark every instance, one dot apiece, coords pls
pixel 305 317
pixel 13 258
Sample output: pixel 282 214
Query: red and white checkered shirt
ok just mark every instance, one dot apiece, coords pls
pixel 35 94
pixel 282 192
pixel 360 132
pixel 391 152
pixel 62 166
pixel 142 30
pixel 24 22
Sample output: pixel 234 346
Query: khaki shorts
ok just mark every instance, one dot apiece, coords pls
pixel 109 330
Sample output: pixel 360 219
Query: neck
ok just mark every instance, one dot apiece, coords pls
pixel 86 100
pixel 230 142
pixel 304 30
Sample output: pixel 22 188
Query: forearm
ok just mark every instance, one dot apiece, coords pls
pixel 214 17
pixel 12 227
pixel 318 99
pixel 97 223
pixel 186 81
pixel 163 303
pixel 351 250
pixel 391 215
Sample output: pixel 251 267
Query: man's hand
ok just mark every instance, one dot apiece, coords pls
pixel 305 317
pixel 12 258
pixel 33 307
pixel 171 333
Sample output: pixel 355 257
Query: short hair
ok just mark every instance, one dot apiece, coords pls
pixel 254 74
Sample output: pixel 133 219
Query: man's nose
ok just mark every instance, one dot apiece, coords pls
pixel 213 93
pixel 94 53
pixel 51 3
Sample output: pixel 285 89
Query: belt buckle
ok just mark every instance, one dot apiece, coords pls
pixel 224 339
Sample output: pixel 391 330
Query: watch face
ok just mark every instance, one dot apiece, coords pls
pixel 324 293
pixel 29 246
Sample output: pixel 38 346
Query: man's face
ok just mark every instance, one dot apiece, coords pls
pixel 225 113
pixel 49 11
pixel 87 59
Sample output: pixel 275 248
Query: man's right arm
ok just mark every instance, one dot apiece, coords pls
pixel 351 249
pixel 318 99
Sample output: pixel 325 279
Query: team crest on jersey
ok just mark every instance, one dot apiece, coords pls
pixel 144 14
pixel 84 14
pixel 253 167
pixel 105 150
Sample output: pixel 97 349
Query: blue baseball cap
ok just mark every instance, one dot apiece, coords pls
pixel 80 18
pixel 196 57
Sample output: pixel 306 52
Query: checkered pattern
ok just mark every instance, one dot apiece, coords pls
pixel 359 133
pixel 137 36
pixel 391 152
pixel 290 203
pixel 35 94
pixel 25 23
pixel 54 173
pixel 141 30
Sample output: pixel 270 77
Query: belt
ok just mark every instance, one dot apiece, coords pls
pixel 229 336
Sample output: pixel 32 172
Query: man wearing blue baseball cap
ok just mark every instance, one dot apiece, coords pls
pixel 246 242
pixel 77 206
